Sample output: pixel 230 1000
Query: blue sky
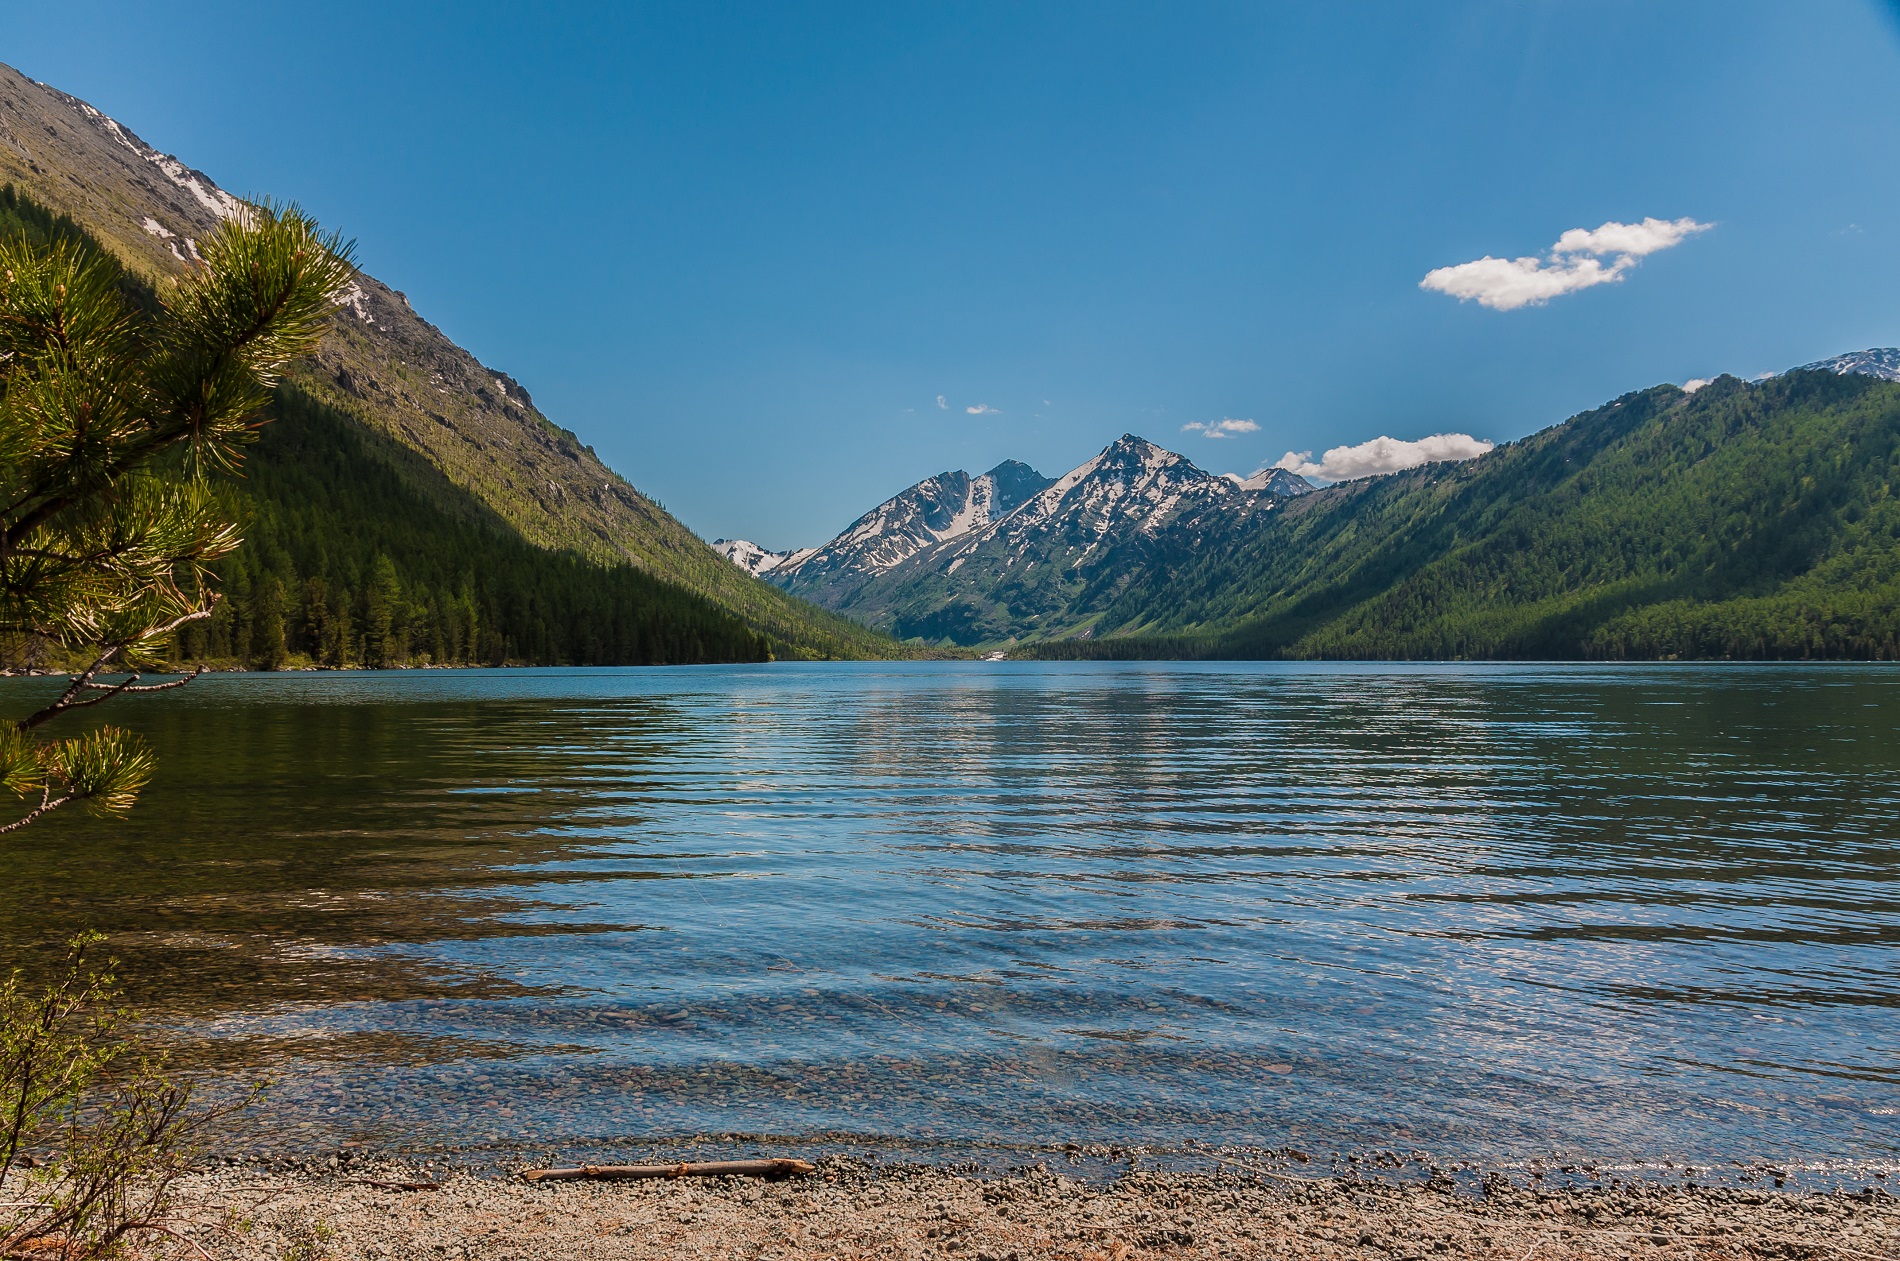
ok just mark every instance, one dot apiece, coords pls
pixel 743 249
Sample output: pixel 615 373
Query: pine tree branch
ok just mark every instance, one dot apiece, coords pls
pixel 76 685
pixel 48 804
pixel 115 689
pixel 129 458
pixel 82 682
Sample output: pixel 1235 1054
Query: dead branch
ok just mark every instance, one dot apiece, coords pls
pixel 149 687
pixel 161 1229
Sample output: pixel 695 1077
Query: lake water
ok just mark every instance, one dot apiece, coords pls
pixel 1623 913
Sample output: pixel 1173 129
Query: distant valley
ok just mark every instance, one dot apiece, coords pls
pixel 1730 519
pixel 412 506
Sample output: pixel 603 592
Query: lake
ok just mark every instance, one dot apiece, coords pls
pixel 1622 913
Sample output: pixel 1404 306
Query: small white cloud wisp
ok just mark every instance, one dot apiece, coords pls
pixel 1383 455
pixel 1575 262
pixel 1224 428
pixel 982 409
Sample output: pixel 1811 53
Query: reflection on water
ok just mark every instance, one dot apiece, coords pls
pixel 1624 912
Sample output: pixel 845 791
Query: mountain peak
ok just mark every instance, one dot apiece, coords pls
pixel 1274 481
pixel 936 510
pixel 1012 484
pixel 931 561
pixel 1882 362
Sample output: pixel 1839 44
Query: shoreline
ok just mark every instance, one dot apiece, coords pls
pixel 358 1204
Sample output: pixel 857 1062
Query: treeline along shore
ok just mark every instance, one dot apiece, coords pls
pixel 346 563
pixel 360 552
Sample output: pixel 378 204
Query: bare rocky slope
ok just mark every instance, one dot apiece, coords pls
pixel 393 370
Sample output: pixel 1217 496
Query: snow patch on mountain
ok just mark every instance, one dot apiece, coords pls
pixel 197 183
pixel 353 297
pixel 948 506
pixel 1277 481
pixel 754 559
pixel 1883 362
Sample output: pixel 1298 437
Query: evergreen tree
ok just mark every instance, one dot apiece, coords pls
pixel 270 649
pixel 112 412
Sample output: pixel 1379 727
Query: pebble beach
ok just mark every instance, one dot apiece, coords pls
pixel 849 1208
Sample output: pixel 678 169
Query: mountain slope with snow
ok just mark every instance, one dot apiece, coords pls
pixel 1013 554
pixel 936 510
pixel 1882 362
pixel 756 560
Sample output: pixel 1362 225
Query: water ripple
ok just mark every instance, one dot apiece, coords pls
pixel 1628 913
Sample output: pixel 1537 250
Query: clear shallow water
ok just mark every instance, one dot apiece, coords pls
pixel 1489 911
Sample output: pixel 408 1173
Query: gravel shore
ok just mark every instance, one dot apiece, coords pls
pixel 854 1209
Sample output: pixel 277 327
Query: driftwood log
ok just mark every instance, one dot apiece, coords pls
pixel 775 1168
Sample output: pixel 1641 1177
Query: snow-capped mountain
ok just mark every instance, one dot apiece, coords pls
pixel 754 559
pixel 1277 481
pixel 978 559
pixel 1133 486
pixel 937 509
pixel 1883 363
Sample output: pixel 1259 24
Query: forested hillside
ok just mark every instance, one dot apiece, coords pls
pixel 388 369
pixel 360 552
pixel 346 561
pixel 1746 520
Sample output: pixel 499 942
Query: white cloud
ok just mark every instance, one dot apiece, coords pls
pixel 1693 384
pixel 1383 455
pixel 1575 262
pixel 943 403
pixel 1225 428
pixel 1505 284
pixel 983 409
pixel 1629 240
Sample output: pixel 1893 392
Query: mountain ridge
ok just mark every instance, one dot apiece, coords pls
pixel 1743 520
pixel 1138 552
pixel 389 368
pixel 954 559
pixel 1881 361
